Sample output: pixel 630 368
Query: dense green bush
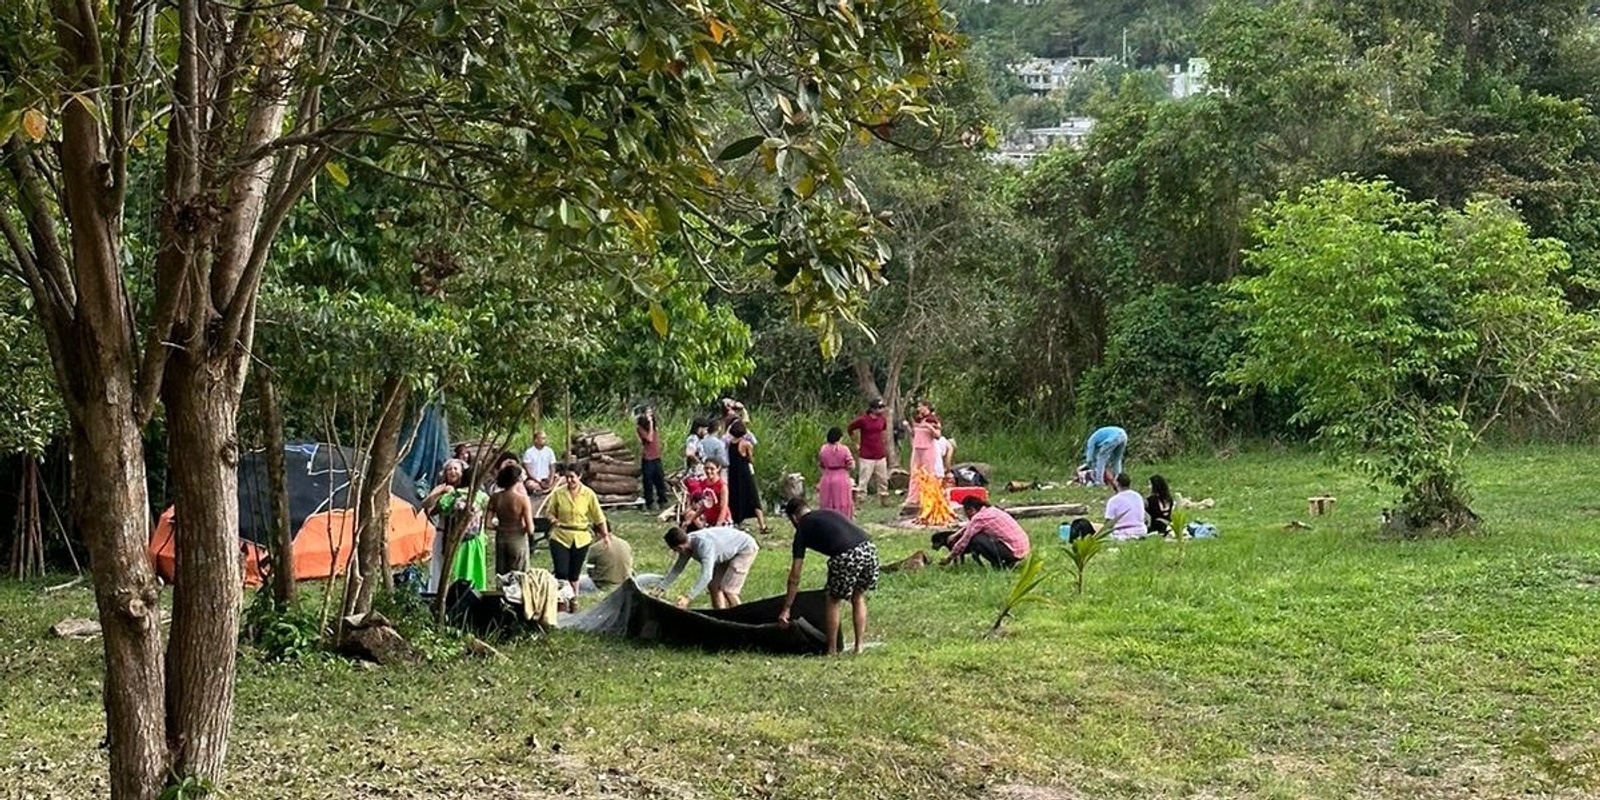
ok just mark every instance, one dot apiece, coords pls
pixel 1155 378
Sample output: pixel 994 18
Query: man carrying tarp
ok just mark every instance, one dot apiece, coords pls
pixel 852 566
pixel 725 554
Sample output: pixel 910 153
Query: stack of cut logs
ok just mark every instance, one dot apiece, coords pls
pixel 609 467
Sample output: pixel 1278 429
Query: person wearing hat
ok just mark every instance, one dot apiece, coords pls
pixel 871 432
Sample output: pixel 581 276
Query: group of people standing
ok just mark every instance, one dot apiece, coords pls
pixel 538 495
pixel 719 476
pixel 932 456
pixel 567 511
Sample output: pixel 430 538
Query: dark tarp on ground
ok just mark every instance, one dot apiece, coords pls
pixel 631 612
pixel 319 480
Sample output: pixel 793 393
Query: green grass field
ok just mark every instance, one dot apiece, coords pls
pixel 1328 663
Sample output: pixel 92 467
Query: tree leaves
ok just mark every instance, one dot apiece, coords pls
pixel 337 173
pixel 658 319
pixel 34 124
pixel 1402 329
pixel 741 148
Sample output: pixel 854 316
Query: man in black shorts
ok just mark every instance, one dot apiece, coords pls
pixel 852 566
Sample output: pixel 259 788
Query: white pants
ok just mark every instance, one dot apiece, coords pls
pixel 871 469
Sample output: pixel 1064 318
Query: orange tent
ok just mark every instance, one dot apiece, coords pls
pixel 319 541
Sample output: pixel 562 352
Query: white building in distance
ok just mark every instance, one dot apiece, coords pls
pixel 1187 80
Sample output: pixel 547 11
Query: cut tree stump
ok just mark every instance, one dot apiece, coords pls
pixel 1320 505
pixel 379 644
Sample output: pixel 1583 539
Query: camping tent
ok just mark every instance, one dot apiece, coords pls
pixel 629 611
pixel 321 515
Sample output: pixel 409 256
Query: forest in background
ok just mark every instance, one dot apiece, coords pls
pixel 1088 287
pixel 1082 290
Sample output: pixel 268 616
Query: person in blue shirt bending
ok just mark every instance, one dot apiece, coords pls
pixel 1103 455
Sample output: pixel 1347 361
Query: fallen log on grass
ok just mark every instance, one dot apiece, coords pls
pixel 1054 510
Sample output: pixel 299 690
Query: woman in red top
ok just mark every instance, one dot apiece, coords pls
pixel 708 499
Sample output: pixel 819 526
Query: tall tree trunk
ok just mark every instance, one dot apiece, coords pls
pixel 893 399
pixel 201 395
pixel 282 540
pixel 373 506
pixel 112 511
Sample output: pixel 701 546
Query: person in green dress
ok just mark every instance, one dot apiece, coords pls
pixel 452 497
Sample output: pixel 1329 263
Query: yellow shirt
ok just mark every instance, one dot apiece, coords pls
pixel 573 518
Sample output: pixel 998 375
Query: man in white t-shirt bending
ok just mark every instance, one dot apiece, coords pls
pixel 539 460
pixel 1125 511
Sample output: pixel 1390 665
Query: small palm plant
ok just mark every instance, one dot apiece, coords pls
pixel 1030 573
pixel 1180 523
pixel 1180 531
pixel 1082 550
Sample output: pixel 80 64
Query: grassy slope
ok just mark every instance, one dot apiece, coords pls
pixel 1322 664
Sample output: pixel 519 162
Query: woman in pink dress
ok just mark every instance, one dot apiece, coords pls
pixel 925 429
pixel 835 491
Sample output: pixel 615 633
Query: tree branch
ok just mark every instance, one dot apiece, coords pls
pixel 49 260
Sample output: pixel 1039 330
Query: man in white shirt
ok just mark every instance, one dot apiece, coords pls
pixel 1125 511
pixel 539 460
pixel 725 554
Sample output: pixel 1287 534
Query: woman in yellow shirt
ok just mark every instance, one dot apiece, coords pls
pixel 574 512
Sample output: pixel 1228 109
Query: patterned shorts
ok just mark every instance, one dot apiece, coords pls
pixel 854 570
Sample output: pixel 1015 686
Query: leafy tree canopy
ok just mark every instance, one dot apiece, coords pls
pixel 1402 330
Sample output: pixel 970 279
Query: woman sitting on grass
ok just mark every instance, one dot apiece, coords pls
pixel 1158 506
pixel 1125 511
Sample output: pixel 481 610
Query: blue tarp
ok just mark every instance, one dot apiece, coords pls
pixel 429 449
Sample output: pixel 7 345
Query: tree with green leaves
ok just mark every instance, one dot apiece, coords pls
pixel 594 124
pixel 1402 330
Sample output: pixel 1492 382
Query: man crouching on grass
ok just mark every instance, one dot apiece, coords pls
pixel 852 566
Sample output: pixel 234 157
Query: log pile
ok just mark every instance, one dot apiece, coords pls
pixel 609 467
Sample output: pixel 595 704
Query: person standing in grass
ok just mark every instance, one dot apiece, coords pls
pixel 834 491
pixel 852 567
pixel 1104 453
pixel 744 496
pixel 990 535
pixel 452 499
pixel 871 430
pixel 925 430
pixel 512 512
pixel 725 554
pixel 693 466
pixel 708 499
pixel 575 515
pixel 1125 511
pixel 651 473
